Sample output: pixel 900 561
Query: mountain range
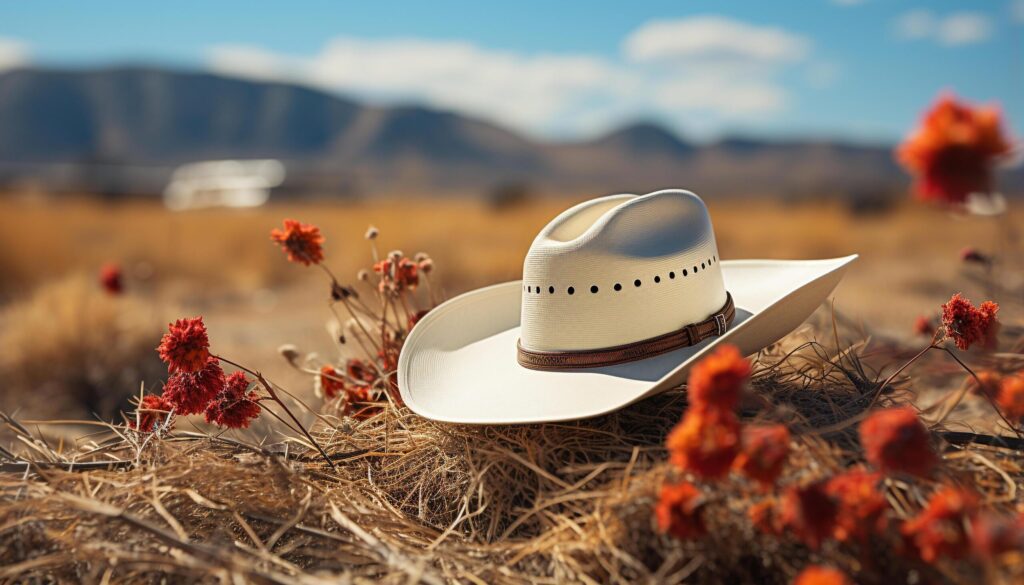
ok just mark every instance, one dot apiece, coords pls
pixel 62 125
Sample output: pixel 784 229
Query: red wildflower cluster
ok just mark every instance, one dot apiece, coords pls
pixel 972 255
pixel 354 383
pixel 817 575
pixel 952 153
pixel 719 378
pixel 235 406
pixel 330 383
pixel 764 516
pixel 763 453
pixel 185 347
pixel 967 325
pixel 111 279
pixel 895 440
pixel 152 411
pixel 923 326
pixel 809 513
pixel 995 534
pixel 397 273
pixel 940 529
pixel 861 507
pixel 190 392
pixel 705 442
pixel 679 511
pixel 303 243
pixel 987 383
pixel 1011 396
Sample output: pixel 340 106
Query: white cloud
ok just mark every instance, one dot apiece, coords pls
pixel 1017 11
pixel 714 38
pixel 727 70
pixel 958 28
pixel 13 53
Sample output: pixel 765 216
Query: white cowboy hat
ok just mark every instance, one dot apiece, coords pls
pixel 620 296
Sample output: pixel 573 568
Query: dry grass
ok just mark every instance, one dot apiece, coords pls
pixel 412 500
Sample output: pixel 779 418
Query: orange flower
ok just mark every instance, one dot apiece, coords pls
pixel 303 243
pixel 952 153
pixel 967 325
pixel 987 383
pixel 895 440
pixel 817 575
pixel 331 383
pixel 679 511
pixel 235 406
pixel 763 453
pixel 764 516
pixel 185 347
pixel 923 326
pixel 718 379
pixel 110 278
pixel 153 410
pixel 1011 396
pixel 861 507
pixel 994 534
pixel 809 512
pixel 940 529
pixel 705 442
pixel 397 273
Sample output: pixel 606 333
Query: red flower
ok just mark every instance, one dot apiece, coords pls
pixel 923 326
pixel 763 453
pixel 967 325
pixel 235 406
pixel 705 442
pixel 987 383
pixel 110 278
pixel 360 370
pixel 152 411
pixel 895 440
pixel 764 516
pixel 190 392
pixel 185 347
pixel 1011 396
pixel 995 534
pixel 817 575
pixel 332 384
pixel 861 507
pixel 973 255
pixel 718 379
pixel 397 273
pixel 952 154
pixel 809 512
pixel 939 530
pixel 301 242
pixel 679 511
pixel 415 318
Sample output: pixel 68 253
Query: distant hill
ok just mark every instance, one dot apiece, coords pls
pixel 62 125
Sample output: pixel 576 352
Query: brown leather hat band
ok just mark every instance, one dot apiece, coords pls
pixel 689 335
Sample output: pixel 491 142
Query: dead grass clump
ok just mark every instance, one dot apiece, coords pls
pixel 413 500
pixel 70 349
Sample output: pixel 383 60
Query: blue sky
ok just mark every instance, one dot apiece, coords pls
pixel 861 69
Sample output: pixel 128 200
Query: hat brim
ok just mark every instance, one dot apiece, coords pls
pixel 459 363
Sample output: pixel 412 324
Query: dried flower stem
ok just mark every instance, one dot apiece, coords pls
pixel 273 396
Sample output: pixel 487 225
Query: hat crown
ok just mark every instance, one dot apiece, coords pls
pixel 618 270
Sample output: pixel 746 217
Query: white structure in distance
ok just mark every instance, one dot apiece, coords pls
pixel 223 183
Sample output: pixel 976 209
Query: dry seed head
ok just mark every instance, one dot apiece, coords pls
pixel 420 257
pixel 363 275
pixel 372 233
pixel 426 265
pixel 395 255
pixel 290 353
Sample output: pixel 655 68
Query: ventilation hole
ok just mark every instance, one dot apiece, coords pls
pixel 684 272
pixel 636 282
pixel 551 289
pixel 529 289
pixel 695 269
pixel 702 266
pixel 715 258
pixel 617 286
pixel 671 274
pixel 593 288
pixel 537 290
pixel 571 290
pixel 657 279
